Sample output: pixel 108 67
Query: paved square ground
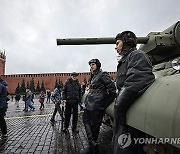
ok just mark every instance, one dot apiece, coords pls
pixel 32 132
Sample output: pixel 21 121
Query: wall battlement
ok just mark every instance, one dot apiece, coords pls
pixel 49 79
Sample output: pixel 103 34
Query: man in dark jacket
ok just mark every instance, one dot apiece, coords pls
pixel 71 95
pixel 102 93
pixel 134 76
pixel 3 107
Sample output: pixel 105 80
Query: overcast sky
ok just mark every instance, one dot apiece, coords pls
pixel 29 29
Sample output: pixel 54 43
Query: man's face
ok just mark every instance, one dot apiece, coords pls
pixel 119 46
pixel 93 67
pixel 74 77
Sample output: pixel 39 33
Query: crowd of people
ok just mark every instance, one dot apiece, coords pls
pixel 134 76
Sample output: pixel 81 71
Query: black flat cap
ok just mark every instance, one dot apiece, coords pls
pixel 74 74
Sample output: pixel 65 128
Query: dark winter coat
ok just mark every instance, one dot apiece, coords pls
pixel 72 91
pixel 3 94
pixel 134 76
pixel 102 91
pixel 134 72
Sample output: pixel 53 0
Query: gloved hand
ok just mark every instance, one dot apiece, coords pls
pixel 124 100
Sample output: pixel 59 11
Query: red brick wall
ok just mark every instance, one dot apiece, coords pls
pixel 49 79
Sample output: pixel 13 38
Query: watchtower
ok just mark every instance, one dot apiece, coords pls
pixel 2 62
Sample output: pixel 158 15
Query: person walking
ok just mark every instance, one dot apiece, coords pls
pixel 71 95
pixel 3 108
pixel 17 98
pixel 83 87
pixel 28 98
pixel 32 98
pixel 56 99
pixel 101 94
pixel 134 76
pixel 12 98
pixel 25 104
pixel 41 99
pixel 48 96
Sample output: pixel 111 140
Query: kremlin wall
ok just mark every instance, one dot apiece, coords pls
pixel 49 79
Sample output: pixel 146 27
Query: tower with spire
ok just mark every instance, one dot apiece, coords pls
pixel 2 62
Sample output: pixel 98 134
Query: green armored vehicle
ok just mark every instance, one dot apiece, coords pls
pixel 157 111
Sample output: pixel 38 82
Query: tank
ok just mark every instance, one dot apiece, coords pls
pixel 157 111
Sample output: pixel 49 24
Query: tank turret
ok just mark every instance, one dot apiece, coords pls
pixel 163 45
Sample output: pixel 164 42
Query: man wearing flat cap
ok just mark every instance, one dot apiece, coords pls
pixel 71 95
pixel 74 74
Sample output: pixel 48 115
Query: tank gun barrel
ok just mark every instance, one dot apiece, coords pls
pixel 160 46
pixel 88 41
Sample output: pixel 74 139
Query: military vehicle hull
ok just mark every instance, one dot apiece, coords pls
pixel 157 111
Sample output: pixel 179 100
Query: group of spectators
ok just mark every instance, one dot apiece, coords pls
pixel 134 76
pixel 28 99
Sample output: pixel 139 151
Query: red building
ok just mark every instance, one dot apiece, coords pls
pixel 49 79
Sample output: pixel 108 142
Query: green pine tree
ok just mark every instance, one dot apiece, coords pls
pixel 60 82
pixel 23 87
pixel 42 87
pixel 17 91
pixel 27 86
pixel 32 87
pixel 38 89
pixel 56 84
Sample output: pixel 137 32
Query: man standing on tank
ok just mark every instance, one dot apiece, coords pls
pixel 71 95
pixel 102 93
pixel 134 76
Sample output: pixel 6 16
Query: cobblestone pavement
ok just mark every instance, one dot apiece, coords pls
pixel 32 132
